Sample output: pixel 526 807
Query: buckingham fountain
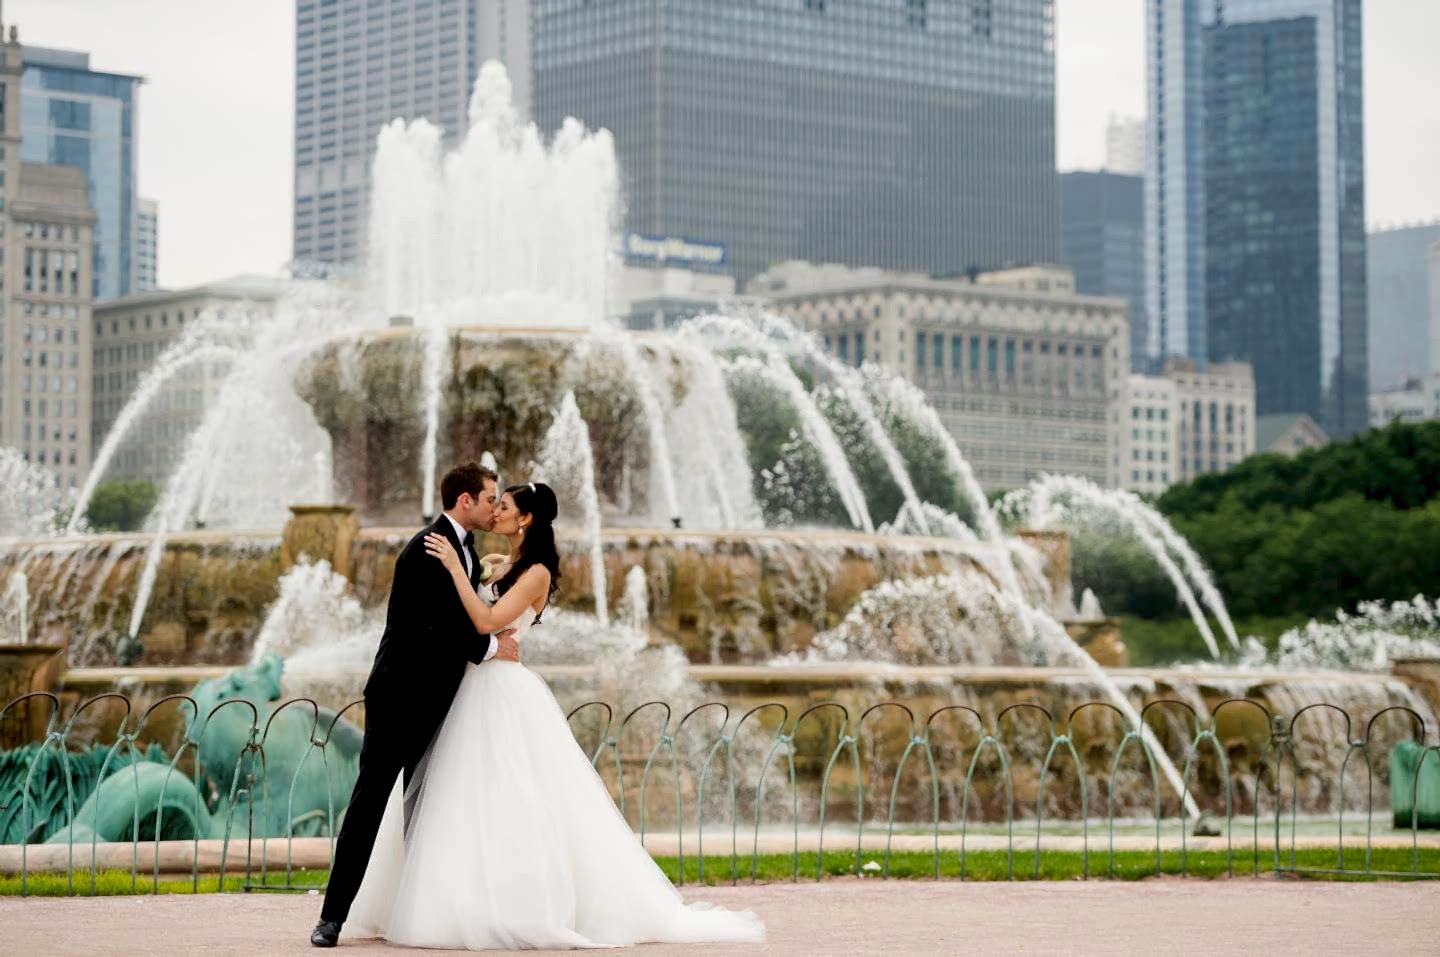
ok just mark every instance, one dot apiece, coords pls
pixel 745 518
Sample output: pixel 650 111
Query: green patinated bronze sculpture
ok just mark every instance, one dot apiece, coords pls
pixel 245 765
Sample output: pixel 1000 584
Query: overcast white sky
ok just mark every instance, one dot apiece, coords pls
pixel 215 114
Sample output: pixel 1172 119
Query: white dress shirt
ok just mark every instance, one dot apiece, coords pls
pixel 470 572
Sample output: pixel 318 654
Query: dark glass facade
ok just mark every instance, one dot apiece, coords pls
pixel 1261 215
pixel 1284 214
pixel 904 134
pixel 1102 237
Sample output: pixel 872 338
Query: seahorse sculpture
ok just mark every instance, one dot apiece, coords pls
pixel 269 771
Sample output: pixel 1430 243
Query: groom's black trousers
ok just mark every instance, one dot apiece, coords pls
pixel 394 743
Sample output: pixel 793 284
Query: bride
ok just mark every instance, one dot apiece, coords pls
pixel 512 840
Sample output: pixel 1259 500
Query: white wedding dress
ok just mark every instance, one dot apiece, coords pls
pixel 514 841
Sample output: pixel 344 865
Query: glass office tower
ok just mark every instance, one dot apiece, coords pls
pixel 71 115
pixel 1256 229
pixel 903 134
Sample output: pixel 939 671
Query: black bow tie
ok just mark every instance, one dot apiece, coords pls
pixel 469 540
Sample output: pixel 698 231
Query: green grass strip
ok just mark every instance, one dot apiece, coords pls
pixel 909 865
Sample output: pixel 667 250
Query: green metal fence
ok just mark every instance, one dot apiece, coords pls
pixel 702 781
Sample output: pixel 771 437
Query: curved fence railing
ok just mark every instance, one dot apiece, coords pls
pixel 939 781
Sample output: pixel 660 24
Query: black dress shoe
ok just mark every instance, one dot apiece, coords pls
pixel 325 934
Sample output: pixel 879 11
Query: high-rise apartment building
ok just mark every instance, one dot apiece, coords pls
pixel 47 240
pixel 72 115
pixel 1255 197
pixel 898 134
pixel 1028 375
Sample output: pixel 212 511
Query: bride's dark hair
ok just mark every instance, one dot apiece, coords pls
pixel 537 545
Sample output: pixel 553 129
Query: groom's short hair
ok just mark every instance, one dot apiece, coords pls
pixel 469 478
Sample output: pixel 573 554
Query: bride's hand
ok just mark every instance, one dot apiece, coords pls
pixel 439 546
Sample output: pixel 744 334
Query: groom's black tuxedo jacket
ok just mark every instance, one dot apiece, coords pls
pixel 428 634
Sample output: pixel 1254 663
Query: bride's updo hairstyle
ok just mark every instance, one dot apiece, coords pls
pixel 537 545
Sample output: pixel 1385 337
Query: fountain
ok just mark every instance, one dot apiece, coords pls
pixel 768 524
pixel 567 461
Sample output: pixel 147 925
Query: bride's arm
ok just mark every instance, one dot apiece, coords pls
pixel 531 586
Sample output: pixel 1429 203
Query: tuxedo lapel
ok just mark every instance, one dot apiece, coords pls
pixel 447 528
pixel 474 568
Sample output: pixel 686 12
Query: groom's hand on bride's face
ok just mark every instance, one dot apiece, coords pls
pixel 506 647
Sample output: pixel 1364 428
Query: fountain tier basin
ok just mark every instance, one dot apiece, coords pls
pixel 721 597
pixel 497 391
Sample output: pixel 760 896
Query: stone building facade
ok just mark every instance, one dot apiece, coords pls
pixel 131 333
pixel 1029 376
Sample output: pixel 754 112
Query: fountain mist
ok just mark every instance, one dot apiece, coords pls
pixel 568 464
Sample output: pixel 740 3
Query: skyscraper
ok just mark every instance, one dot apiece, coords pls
pixel 1174 181
pixel 1102 237
pixel 46 241
pixel 1398 312
pixel 1125 145
pixel 360 64
pixel 1256 235
pixel 902 134
pixel 72 115
pixel 147 247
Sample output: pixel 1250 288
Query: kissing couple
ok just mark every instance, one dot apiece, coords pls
pixel 477 822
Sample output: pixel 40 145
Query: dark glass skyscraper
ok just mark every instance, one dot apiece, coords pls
pixel 1102 237
pixel 907 134
pixel 1262 223
pixel 1257 219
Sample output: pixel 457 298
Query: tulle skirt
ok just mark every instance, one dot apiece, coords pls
pixel 514 842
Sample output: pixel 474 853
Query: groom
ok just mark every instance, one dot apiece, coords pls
pixel 428 639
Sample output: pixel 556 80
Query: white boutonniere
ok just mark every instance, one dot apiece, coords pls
pixel 486 570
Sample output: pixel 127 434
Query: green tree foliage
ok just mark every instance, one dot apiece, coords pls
pixel 1122 574
pixel 121 506
pixel 1398 465
pixel 1326 529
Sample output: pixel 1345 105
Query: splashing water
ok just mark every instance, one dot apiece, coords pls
pixel 1368 640
pixel 911 401
pixel 505 231
pixel 852 387
pixel 708 447
pixel 436 349
pixel 32 494
pixel 661 464
pixel 568 463
pixel 635 603
pixel 15 610
pixel 1054 499
pixel 949 619
pixel 181 357
pixel 776 373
